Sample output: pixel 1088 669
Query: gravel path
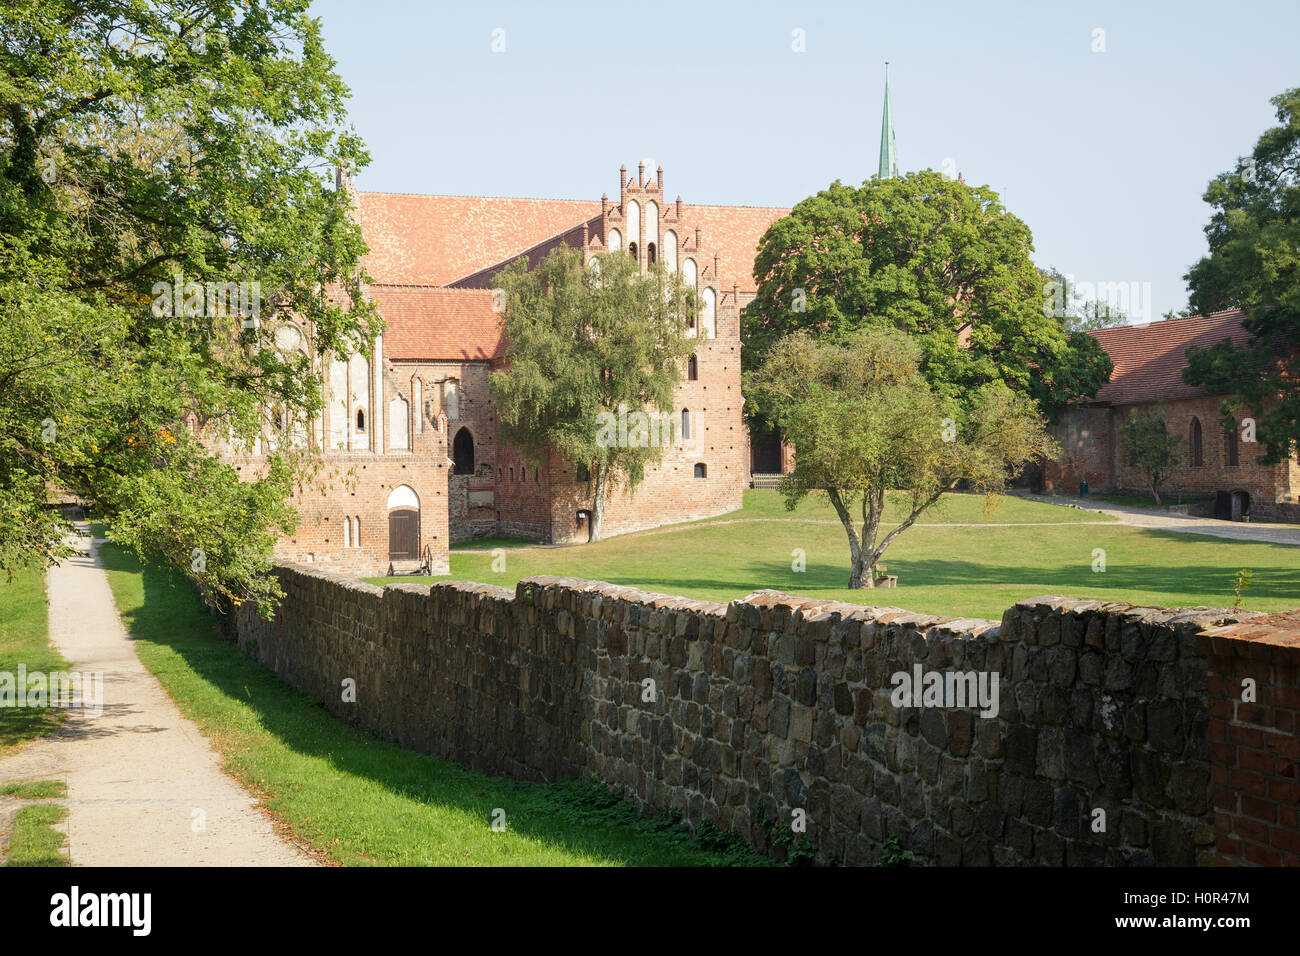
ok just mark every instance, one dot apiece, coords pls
pixel 145 788
pixel 1187 524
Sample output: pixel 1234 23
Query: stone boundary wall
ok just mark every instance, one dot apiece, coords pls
pixel 745 713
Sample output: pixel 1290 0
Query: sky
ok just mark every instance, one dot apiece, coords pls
pixel 1099 124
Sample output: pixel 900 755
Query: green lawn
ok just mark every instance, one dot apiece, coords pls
pixel 357 800
pixel 33 841
pixel 960 571
pixel 951 509
pixel 24 639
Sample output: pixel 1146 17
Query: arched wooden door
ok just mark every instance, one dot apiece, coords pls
pixel 403 534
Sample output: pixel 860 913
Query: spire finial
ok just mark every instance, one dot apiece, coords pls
pixel 888 150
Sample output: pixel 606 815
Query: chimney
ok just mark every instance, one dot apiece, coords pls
pixel 697 237
pixel 679 208
pixel 604 205
pixel 660 177
pixel 640 174
pixel 622 184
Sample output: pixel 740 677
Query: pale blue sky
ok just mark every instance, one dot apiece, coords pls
pixel 1104 154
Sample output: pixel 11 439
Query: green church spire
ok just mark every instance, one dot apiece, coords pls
pixel 888 151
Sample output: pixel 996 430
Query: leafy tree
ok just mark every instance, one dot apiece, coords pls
pixel 936 258
pixel 864 421
pixel 1254 265
pixel 585 346
pixel 1150 448
pixel 144 146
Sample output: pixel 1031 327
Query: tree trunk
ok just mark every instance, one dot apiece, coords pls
pixel 1155 493
pixel 863 574
pixel 859 574
pixel 598 506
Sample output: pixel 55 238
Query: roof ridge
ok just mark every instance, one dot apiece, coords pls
pixel 428 287
pixel 697 205
pixel 1222 313
pixel 382 192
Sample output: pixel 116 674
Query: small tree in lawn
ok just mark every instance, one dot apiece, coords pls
pixel 1150 448
pixel 584 343
pixel 864 421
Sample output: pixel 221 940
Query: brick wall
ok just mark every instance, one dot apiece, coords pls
pixel 1091 450
pixel 778 704
pixel 353 482
pixel 1087 440
pixel 1254 702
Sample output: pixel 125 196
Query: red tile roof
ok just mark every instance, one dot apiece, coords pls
pixel 433 324
pixel 485 278
pixel 1149 359
pixel 733 232
pixel 437 240
pixel 420 244
pixel 434 240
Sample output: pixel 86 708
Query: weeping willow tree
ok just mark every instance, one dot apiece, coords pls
pixel 586 346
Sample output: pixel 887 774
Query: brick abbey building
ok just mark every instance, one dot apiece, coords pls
pixel 412 457
pixel 1215 462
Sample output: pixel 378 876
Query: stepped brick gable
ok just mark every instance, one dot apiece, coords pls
pixel 410 431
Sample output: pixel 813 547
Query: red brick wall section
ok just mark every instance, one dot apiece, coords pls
pixel 1267 485
pixel 1254 747
pixel 1087 440
pixel 1091 451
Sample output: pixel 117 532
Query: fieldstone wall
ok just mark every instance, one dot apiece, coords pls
pixel 776 718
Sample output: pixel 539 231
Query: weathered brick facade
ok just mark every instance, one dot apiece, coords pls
pixel 1102 749
pixel 1148 379
pixel 433 260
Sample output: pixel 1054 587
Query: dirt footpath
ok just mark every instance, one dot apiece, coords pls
pixel 145 788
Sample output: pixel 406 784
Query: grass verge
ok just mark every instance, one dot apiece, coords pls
pixel 33 841
pixel 24 640
pixel 35 789
pixel 357 800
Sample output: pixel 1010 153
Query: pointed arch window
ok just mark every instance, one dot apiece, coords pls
pixel 708 314
pixel 1196 442
pixel 693 369
pixel 462 452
